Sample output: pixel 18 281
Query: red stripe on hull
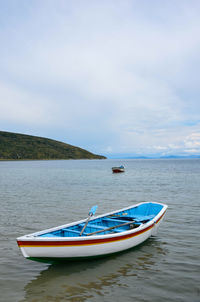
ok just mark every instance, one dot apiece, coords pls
pixel 81 242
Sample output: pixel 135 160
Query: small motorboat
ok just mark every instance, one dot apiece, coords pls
pixel 118 169
pixel 95 236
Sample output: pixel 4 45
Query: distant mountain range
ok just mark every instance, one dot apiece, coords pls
pixel 15 146
pixel 181 156
pixel 121 156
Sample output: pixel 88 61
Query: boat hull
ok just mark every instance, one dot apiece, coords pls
pixel 118 169
pixel 77 248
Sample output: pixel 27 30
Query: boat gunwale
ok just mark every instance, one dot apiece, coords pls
pixel 35 237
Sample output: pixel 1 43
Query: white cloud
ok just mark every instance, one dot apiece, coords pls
pixel 192 143
pixel 22 106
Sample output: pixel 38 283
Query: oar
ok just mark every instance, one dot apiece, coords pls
pixel 91 213
pixel 111 228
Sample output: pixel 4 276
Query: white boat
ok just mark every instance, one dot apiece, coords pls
pixel 97 236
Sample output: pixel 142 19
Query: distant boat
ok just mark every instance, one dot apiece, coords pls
pixel 118 169
pixel 95 236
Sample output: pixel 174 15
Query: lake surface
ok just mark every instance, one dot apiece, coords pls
pixel 35 195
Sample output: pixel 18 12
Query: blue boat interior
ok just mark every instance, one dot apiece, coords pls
pixel 118 222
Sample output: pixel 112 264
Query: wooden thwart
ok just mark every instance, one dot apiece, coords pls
pixel 111 228
pixel 118 215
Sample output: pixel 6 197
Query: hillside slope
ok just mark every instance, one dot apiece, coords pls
pixel 21 146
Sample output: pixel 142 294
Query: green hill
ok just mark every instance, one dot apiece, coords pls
pixel 21 146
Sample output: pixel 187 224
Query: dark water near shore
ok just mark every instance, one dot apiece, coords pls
pixel 35 195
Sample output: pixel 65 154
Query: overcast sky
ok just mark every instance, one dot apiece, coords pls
pixel 110 76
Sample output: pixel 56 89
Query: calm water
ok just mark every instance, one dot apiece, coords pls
pixel 36 195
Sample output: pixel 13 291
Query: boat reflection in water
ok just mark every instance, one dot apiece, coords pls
pixel 80 281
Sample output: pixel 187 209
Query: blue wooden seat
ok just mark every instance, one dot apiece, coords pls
pixel 92 225
pixel 72 231
pixel 119 221
pixel 96 226
pixel 136 218
pixel 101 227
pixel 106 228
pixel 141 218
